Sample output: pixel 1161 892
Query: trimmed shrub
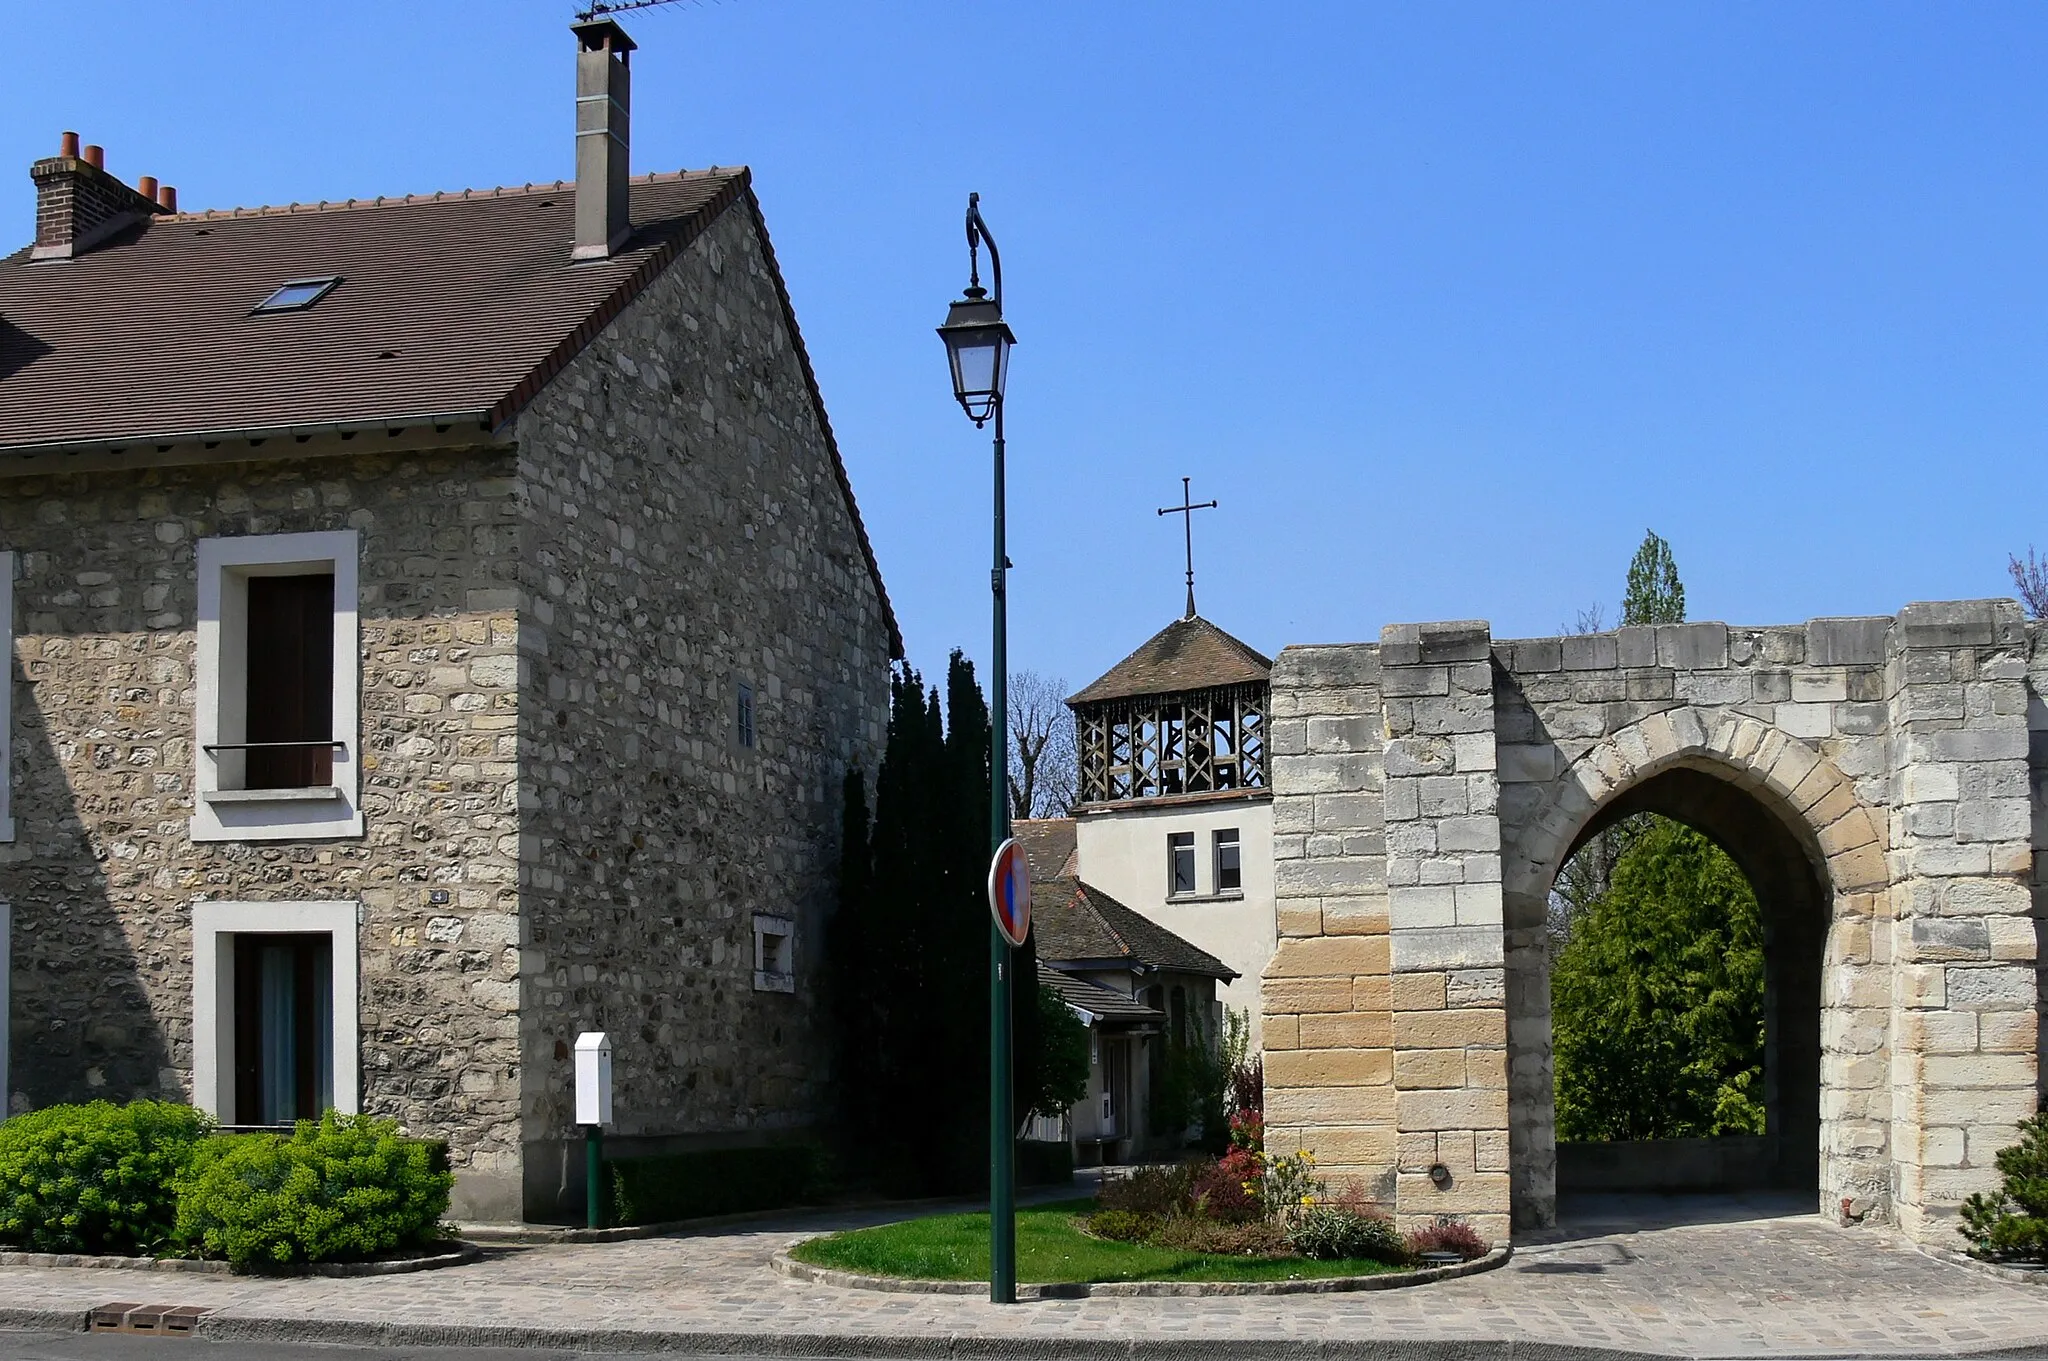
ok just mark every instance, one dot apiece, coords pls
pixel 1158 1191
pixel 1040 1163
pixel 1329 1232
pixel 95 1178
pixel 344 1189
pixel 714 1181
pixel 2012 1222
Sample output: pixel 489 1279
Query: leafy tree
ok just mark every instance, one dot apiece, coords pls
pixel 1655 595
pixel 2030 578
pixel 1657 998
pixel 1060 1078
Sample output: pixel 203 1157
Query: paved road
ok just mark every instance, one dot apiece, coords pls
pixel 1694 1278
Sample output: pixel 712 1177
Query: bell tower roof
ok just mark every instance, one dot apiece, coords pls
pixel 1187 655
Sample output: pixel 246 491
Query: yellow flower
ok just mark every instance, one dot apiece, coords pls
pixel 1308 1200
pixel 1308 1157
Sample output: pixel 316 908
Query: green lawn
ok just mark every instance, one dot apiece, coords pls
pixel 1050 1249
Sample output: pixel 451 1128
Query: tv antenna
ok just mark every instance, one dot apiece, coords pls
pixel 600 9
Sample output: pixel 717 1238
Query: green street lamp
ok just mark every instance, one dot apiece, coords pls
pixel 978 345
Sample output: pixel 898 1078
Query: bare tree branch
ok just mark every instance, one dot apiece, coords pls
pixel 2031 577
pixel 1043 772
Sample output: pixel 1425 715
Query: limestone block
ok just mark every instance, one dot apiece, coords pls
pixel 1284 1032
pixel 1489 1151
pixel 1476 988
pixel 2008 1032
pixel 1328 956
pixel 1326 666
pixel 1922 985
pixel 1937 939
pixel 1855 641
pixel 1693 647
pixel 1318 1106
pixel 1452 1109
pixel 1423 907
pixel 1303 995
pixel 1938 1032
pixel 1481 833
pixel 1349 734
pixel 2013 939
pixel 1418 756
pixel 1447 947
pixel 1449 1029
pixel 1409 682
pixel 1527 764
pixel 1994 987
pixel 1355 916
pixel 1994 820
pixel 1363 1146
pixel 1589 652
pixel 1956 1072
pixel 1299 917
pixel 1475 752
pixel 1421 1068
pixel 1372 993
pixel 1346 1030
pixel 1330 1067
pixel 1418 991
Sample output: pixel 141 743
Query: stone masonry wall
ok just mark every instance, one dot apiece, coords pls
pixel 1884 782
pixel 684 532
pixel 1329 1007
pixel 102 874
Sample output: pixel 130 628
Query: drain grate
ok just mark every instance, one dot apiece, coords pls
pixel 150 1320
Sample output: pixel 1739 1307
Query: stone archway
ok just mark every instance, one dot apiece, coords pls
pixel 1810 849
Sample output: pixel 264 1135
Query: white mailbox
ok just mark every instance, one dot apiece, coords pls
pixel 594 1078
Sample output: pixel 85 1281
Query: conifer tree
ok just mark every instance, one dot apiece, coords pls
pixel 1655 594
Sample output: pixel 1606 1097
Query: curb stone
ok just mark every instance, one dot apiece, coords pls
pixel 786 1265
pixel 960 1346
pixel 460 1253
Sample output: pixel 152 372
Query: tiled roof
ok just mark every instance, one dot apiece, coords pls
pixel 1048 845
pixel 1188 654
pixel 1076 921
pixel 1104 1003
pixel 453 309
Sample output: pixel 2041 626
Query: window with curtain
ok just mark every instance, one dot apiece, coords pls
pixel 284 1027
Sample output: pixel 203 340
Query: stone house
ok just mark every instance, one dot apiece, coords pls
pixel 440 627
pixel 1138 988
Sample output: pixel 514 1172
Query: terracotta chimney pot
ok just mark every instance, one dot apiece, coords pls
pixel 68 144
pixel 168 197
pixel 146 186
pixel 96 157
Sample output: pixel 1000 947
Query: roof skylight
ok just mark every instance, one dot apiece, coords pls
pixel 295 295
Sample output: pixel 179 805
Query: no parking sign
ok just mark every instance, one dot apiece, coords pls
pixel 1009 891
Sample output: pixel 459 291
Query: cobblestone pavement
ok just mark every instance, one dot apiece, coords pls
pixel 1695 1278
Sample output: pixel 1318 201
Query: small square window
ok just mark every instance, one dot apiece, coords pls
pixel 774 954
pixel 1229 871
pixel 743 714
pixel 1180 864
pixel 296 295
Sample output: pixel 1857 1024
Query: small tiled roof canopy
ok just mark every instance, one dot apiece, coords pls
pixel 453 309
pixel 1188 654
pixel 1048 845
pixel 1105 1004
pixel 1075 922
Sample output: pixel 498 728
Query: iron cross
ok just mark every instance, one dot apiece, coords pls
pixel 1186 510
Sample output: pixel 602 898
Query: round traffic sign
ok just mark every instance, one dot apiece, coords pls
pixel 1009 891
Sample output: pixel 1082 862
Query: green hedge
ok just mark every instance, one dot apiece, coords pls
pixel 714 1181
pixel 345 1189
pixel 1044 1164
pixel 95 1178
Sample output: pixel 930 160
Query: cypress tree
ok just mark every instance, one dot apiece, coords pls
pixel 1655 595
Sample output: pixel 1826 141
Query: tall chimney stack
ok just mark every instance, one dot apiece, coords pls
pixel 79 205
pixel 603 122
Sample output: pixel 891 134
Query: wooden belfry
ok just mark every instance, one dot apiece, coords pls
pixel 1184 714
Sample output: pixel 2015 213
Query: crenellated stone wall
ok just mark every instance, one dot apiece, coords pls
pixel 1871 776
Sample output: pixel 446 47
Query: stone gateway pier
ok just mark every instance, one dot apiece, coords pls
pixel 1881 781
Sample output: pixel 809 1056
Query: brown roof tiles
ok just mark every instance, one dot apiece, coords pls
pixel 1188 654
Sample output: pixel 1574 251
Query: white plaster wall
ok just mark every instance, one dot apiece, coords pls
pixel 1122 851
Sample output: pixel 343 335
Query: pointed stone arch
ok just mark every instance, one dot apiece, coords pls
pixel 1828 1014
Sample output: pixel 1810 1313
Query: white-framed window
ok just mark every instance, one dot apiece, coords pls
pixel 1180 864
pixel 1229 868
pixel 274 995
pixel 8 566
pixel 279 670
pixel 774 953
pixel 743 714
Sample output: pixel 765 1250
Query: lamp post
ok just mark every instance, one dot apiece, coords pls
pixel 978 349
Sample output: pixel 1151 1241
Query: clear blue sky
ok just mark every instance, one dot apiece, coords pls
pixel 1446 304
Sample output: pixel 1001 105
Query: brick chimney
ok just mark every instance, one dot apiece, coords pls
pixel 604 81
pixel 78 204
